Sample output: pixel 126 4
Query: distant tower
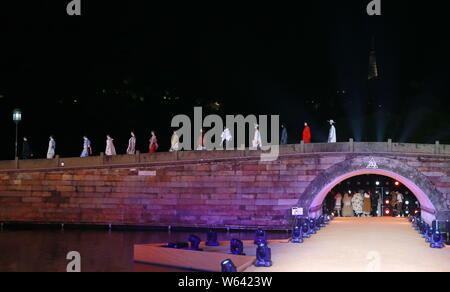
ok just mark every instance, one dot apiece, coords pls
pixel 373 67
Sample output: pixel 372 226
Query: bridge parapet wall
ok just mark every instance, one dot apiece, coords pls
pixel 344 147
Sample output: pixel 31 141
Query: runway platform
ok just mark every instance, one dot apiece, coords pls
pixel 360 245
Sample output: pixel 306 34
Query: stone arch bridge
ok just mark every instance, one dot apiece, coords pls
pixel 226 189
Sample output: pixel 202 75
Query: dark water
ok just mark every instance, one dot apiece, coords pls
pixel 101 251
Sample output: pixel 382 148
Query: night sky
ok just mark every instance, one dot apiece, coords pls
pixel 133 66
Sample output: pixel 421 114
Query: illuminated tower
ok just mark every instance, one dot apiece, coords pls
pixel 373 67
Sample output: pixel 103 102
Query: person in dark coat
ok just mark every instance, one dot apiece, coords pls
pixel 26 149
pixel 284 135
pixel 375 198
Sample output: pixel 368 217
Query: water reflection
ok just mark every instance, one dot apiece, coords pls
pixel 46 250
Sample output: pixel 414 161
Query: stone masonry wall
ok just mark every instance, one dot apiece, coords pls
pixel 223 193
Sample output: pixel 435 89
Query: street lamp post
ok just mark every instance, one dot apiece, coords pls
pixel 17 117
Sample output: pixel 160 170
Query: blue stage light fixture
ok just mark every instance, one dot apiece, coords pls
pixel 424 230
pixel 297 234
pixel 420 226
pixel 228 266
pixel 437 240
pixel 326 221
pixel 306 230
pixel 211 238
pixel 263 256
pixel 260 236
pixel 237 247
pixel 318 224
pixel 312 226
pixel 418 223
pixel 322 221
pixel 195 242
pixel 429 235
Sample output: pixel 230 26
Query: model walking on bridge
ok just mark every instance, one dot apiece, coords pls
pixel 110 149
pixel 153 143
pixel 51 148
pixel 332 134
pixel 87 148
pixel 131 150
pixel 306 134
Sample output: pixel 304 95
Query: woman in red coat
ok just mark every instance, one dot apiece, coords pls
pixel 306 134
pixel 153 143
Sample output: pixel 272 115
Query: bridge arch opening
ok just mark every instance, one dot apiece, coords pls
pixel 386 197
pixel 427 207
pixel 433 203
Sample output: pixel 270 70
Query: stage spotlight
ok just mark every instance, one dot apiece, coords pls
pixel 429 235
pixel 312 226
pixel 228 266
pixel 211 238
pixel 330 217
pixel 326 221
pixel 424 230
pixel 387 202
pixel 387 212
pixel 263 256
pixel 195 242
pixel 418 223
pixel 322 221
pixel 397 184
pixel 437 240
pixel 305 230
pixel 407 203
pixel 417 212
pixel 297 236
pixel 317 222
pixel 260 236
pixel 413 221
pixel 237 247
pixel 377 183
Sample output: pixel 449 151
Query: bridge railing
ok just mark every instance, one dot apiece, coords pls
pixel 343 147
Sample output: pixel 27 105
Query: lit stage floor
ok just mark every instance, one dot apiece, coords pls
pixel 360 245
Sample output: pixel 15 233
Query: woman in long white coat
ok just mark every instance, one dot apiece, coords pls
pixel 257 142
pixel 87 147
pixel 174 142
pixel 332 135
pixel 131 150
pixel 51 148
pixel 110 149
pixel 226 137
